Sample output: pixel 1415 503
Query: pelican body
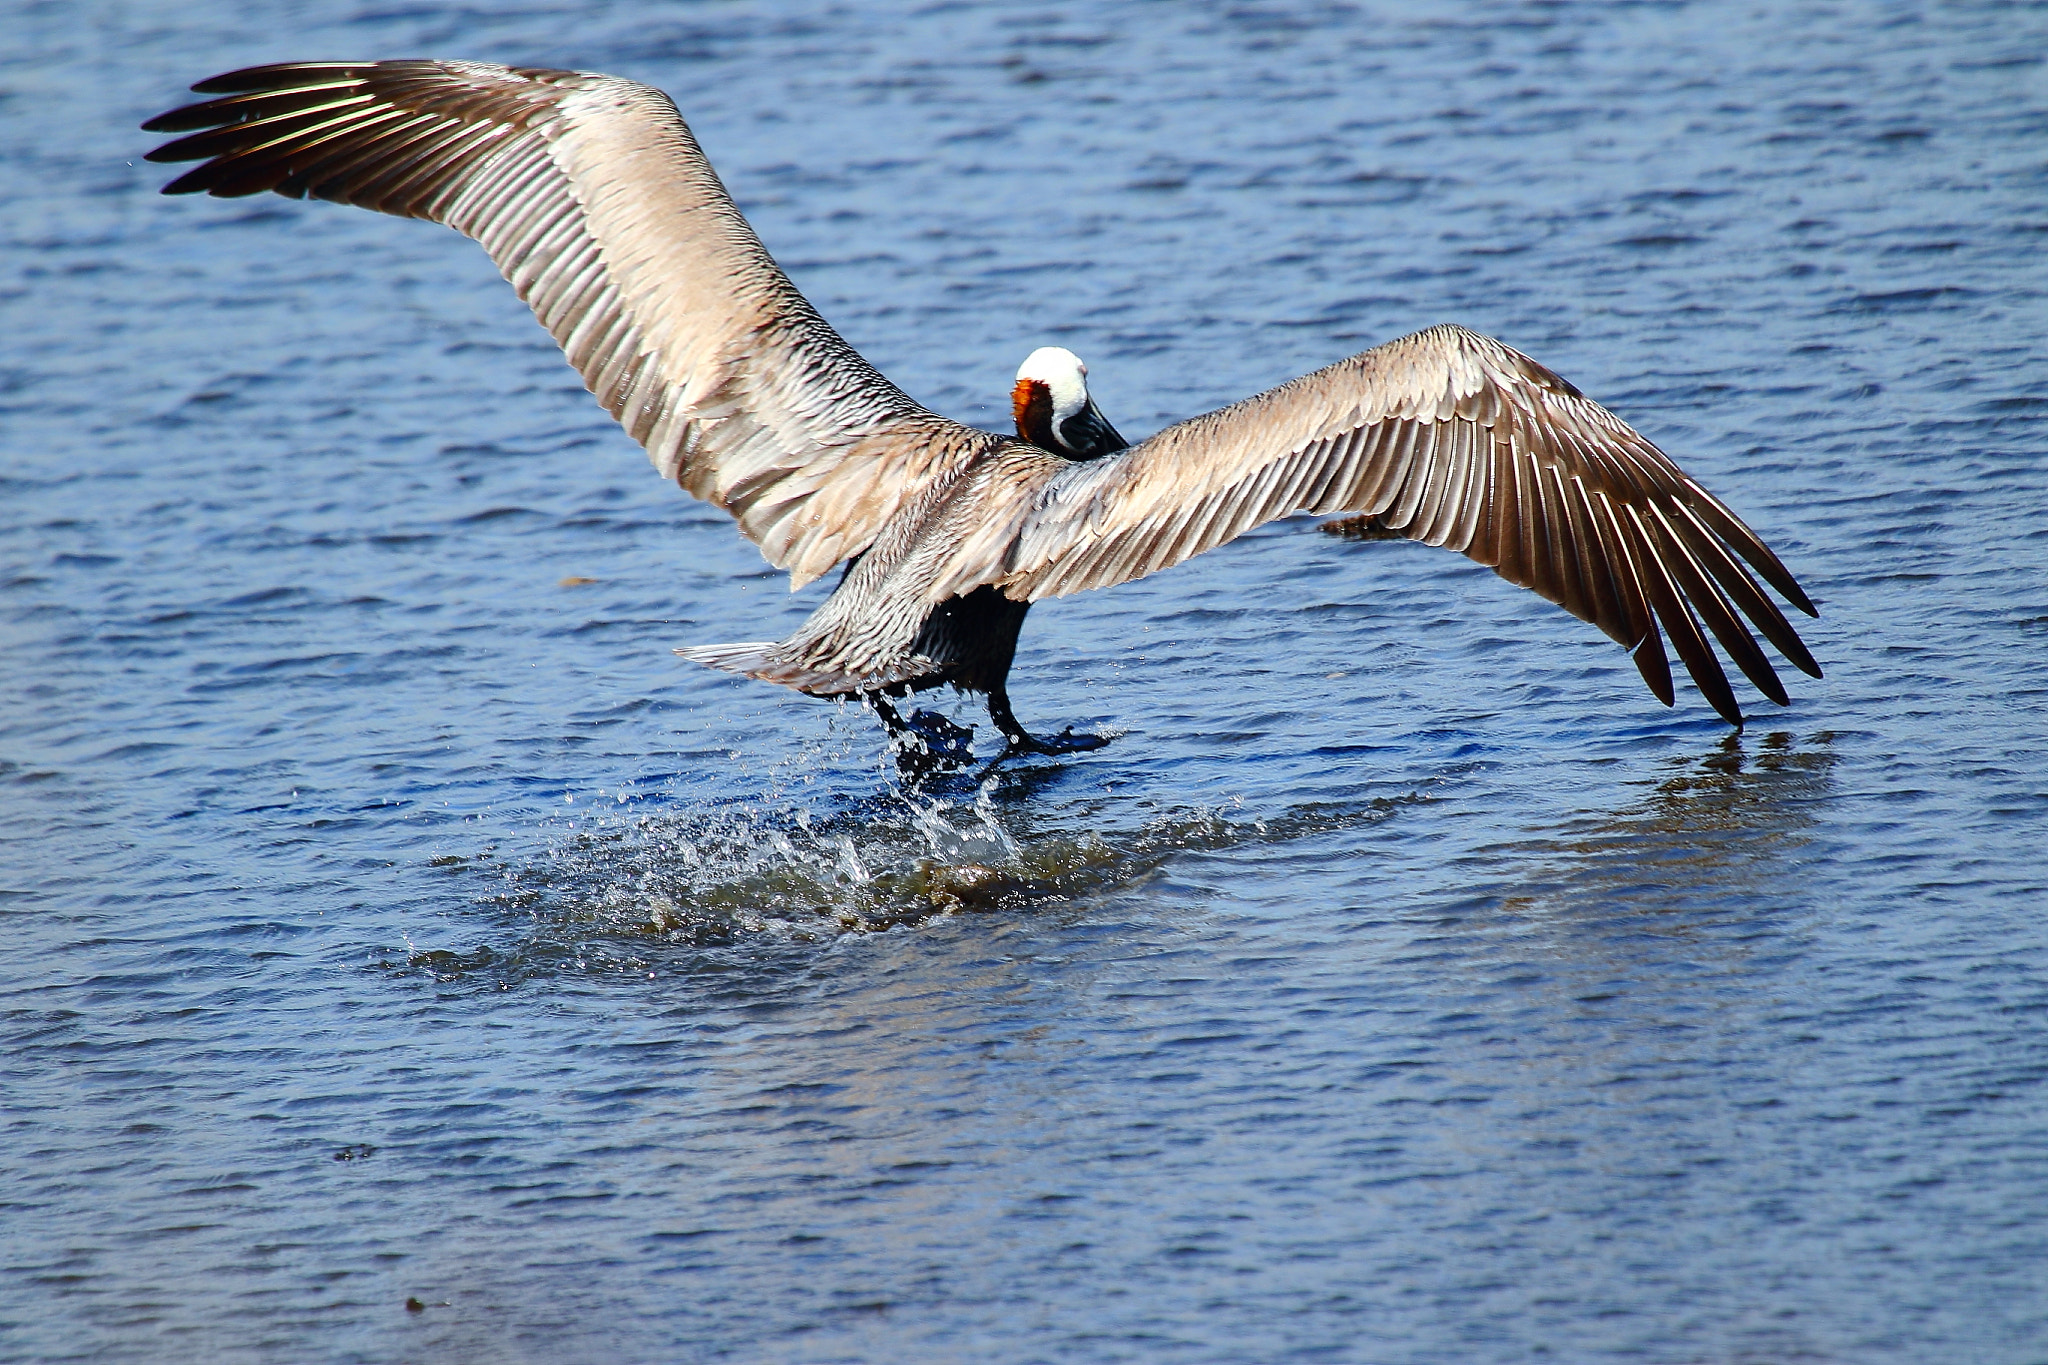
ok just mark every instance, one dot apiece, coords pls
pixel 593 198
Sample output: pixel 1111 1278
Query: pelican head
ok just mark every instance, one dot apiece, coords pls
pixel 1053 409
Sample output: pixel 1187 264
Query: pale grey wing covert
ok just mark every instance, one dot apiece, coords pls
pixel 1450 438
pixel 591 195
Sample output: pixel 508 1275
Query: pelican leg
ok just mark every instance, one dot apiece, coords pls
pixel 1021 741
pixel 925 743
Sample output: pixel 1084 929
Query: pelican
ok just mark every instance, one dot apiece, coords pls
pixel 592 196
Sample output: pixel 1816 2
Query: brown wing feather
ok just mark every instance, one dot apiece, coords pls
pixel 1447 437
pixel 592 196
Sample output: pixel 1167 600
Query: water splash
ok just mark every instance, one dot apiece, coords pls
pixel 798 864
pixel 708 873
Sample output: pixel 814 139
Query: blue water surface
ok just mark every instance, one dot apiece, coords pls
pixel 408 958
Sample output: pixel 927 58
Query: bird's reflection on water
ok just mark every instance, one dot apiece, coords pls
pixel 1718 830
pixel 1611 972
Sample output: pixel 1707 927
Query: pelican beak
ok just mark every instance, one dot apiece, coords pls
pixel 1089 435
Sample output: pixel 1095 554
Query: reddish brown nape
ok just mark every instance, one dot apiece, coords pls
pixel 1031 405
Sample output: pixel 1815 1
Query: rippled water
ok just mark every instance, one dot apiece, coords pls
pixel 392 917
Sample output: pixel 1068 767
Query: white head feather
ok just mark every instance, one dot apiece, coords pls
pixel 1062 372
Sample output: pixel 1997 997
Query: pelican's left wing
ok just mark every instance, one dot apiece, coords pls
pixel 593 198
pixel 1448 437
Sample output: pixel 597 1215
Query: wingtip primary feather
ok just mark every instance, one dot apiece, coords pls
pixel 257 77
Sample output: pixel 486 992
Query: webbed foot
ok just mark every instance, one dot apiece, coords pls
pixel 1021 741
pixel 927 742
pixel 1065 742
pixel 943 742
pixel 1022 744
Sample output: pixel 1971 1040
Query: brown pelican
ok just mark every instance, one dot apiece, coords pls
pixel 592 196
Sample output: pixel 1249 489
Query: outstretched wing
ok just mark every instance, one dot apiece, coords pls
pixel 592 196
pixel 1450 438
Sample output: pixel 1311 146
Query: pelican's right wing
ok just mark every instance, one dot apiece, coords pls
pixel 1450 438
pixel 591 195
